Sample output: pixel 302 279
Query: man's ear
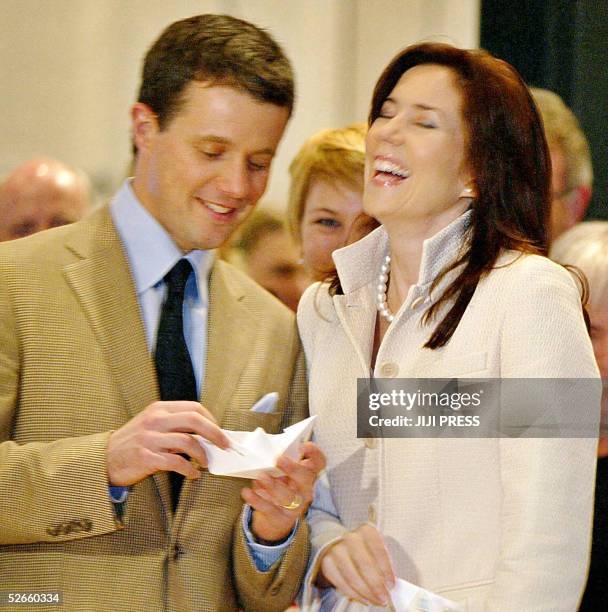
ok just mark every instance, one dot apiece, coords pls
pixel 579 201
pixel 144 124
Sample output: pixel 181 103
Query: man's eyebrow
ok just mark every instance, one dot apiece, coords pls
pixel 200 140
pixel 210 138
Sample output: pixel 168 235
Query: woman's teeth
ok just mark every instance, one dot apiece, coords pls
pixel 391 168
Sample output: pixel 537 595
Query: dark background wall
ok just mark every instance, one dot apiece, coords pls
pixel 563 46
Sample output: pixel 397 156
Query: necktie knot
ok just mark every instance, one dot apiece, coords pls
pixel 177 277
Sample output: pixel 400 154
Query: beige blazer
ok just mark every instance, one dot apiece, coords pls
pixel 74 365
pixel 493 524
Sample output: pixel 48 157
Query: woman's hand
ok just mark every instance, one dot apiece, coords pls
pixel 359 567
pixel 279 502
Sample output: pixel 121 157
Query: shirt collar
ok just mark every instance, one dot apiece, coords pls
pixel 150 249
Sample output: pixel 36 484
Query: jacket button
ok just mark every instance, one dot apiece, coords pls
pixel 178 552
pixel 371 513
pixel 65 528
pixel 389 369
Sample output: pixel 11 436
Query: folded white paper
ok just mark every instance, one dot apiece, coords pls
pixel 256 451
pixel 407 597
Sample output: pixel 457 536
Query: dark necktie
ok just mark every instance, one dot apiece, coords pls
pixel 173 364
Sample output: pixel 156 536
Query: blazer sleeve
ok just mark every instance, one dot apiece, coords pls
pixel 54 491
pixel 547 482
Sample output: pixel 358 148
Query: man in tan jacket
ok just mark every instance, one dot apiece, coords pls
pixel 97 392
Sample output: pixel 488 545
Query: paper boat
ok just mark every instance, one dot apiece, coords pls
pixel 256 451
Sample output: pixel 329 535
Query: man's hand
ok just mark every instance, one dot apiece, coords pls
pixel 151 442
pixel 359 567
pixel 278 502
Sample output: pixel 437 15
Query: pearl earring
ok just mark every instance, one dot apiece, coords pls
pixel 467 192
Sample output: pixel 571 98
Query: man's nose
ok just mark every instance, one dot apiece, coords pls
pixel 234 180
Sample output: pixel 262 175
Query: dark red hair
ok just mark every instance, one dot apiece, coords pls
pixel 507 156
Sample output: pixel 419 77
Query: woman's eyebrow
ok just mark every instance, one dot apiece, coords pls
pixel 426 107
pixel 324 209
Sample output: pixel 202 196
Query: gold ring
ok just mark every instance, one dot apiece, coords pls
pixel 296 502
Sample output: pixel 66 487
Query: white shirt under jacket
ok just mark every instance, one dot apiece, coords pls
pixel 493 524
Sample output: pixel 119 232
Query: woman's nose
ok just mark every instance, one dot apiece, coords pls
pixel 392 130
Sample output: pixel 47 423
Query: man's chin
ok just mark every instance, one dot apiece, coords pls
pixel 216 240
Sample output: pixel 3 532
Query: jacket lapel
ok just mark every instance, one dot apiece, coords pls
pixel 356 308
pixel 230 338
pixel 103 284
pixel 357 315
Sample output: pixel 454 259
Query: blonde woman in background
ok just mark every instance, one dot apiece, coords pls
pixel 325 209
pixel 586 247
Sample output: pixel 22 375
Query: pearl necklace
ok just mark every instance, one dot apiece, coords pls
pixel 381 301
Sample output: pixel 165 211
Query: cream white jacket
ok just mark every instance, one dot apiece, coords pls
pixel 493 524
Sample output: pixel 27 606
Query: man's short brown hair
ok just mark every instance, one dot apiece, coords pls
pixel 218 49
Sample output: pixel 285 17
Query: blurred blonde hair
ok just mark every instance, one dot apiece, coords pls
pixel 562 128
pixel 260 223
pixel 240 245
pixel 335 155
pixel 586 247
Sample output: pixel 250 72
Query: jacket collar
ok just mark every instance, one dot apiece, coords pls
pixel 232 329
pixel 358 267
pixel 359 264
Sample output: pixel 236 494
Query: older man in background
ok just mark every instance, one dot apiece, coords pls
pixel 572 174
pixel 39 194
